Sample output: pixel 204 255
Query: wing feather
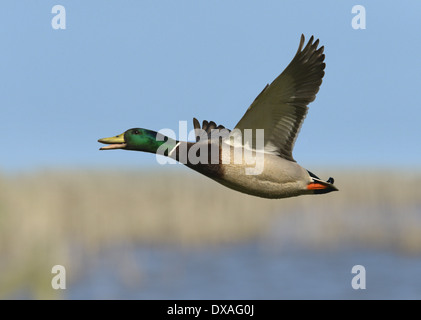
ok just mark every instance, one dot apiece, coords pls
pixel 207 128
pixel 281 107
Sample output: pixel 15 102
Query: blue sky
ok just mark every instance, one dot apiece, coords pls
pixel 150 64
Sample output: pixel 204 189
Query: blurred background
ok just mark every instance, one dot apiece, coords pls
pixel 124 226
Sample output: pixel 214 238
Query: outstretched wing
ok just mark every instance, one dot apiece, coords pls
pixel 281 107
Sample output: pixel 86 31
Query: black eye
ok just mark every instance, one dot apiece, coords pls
pixel 136 132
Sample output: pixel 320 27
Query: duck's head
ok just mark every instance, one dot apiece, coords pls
pixel 137 139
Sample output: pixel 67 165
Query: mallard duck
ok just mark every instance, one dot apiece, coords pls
pixel 279 109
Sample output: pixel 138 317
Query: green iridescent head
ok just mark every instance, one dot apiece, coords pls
pixel 137 139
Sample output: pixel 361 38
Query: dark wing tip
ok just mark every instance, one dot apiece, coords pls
pixel 311 44
pixel 321 50
pixel 212 125
pixel 207 126
pixel 196 123
pixel 300 46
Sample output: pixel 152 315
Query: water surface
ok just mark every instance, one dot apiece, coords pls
pixel 247 271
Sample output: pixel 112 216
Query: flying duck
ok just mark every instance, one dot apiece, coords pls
pixel 256 156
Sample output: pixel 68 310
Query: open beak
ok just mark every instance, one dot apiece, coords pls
pixel 116 142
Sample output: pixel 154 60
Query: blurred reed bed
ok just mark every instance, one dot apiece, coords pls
pixel 69 217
